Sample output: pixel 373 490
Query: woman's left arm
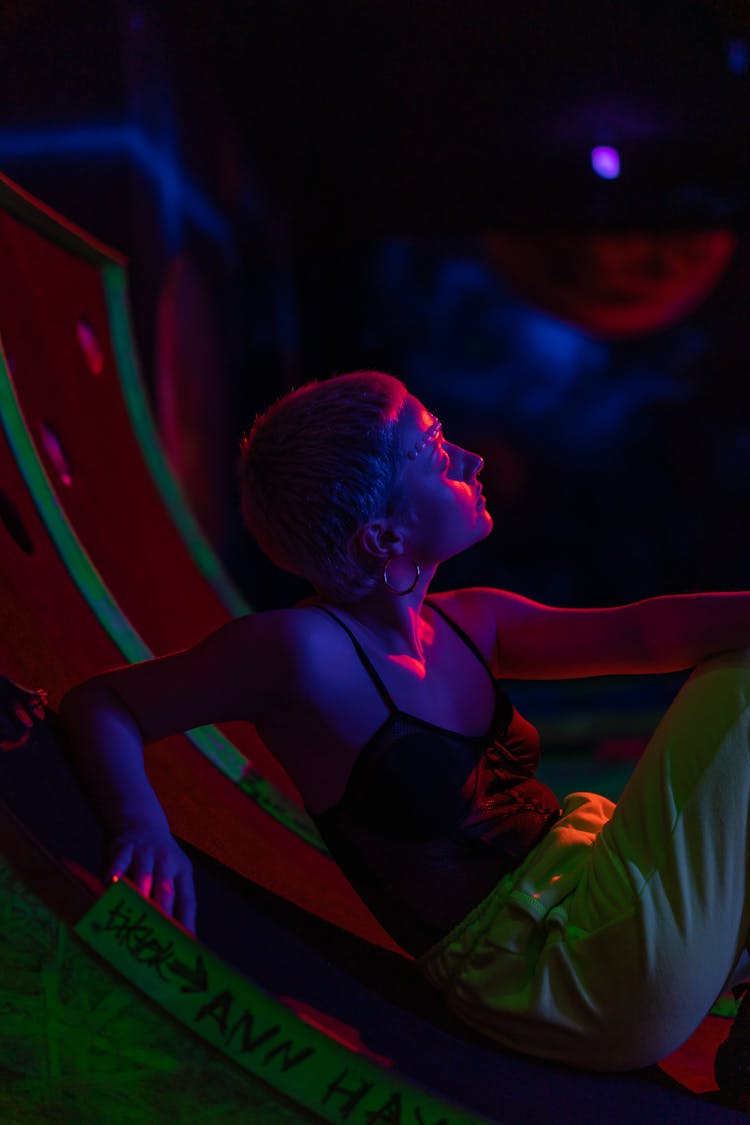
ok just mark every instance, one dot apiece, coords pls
pixel 661 634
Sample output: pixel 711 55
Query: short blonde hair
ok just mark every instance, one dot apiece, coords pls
pixel 315 467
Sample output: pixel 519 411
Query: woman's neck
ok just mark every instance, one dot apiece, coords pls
pixel 394 623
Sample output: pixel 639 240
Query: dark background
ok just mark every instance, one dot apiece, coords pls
pixel 304 188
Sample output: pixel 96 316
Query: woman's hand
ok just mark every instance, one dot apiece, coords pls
pixel 159 868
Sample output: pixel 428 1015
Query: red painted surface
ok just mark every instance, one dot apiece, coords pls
pixel 693 1064
pixel 613 285
pixel 93 458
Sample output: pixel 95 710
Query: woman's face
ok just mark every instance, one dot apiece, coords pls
pixel 442 507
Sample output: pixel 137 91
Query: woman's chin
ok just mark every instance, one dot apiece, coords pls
pixel 483 526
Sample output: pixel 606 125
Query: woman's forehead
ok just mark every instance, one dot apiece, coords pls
pixel 416 419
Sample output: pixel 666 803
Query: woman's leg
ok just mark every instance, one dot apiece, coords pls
pixel 608 945
pixel 662 911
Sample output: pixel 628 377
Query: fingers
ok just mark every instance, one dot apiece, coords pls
pixel 142 867
pixel 119 864
pixel 163 893
pixel 161 871
pixel 185 901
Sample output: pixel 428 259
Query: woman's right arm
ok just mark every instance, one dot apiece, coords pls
pixel 237 673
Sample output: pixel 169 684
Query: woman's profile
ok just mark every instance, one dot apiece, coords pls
pixel 565 926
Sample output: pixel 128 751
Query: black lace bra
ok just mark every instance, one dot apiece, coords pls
pixel 430 818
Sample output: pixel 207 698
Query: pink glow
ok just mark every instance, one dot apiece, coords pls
pixel 606 162
pixel 54 450
pixel 90 347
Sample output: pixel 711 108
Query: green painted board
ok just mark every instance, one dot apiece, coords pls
pixel 80 1046
pixel 335 1080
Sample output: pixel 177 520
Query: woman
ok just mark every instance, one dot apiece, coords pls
pixel 587 934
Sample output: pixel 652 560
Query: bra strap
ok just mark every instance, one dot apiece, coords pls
pixel 365 659
pixel 463 635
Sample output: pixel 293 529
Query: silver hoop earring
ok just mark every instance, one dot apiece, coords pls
pixel 388 582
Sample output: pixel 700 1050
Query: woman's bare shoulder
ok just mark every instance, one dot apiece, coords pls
pixel 284 649
pixel 248 668
pixel 319 648
pixel 475 609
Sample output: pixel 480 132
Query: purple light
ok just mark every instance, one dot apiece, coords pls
pixel 606 162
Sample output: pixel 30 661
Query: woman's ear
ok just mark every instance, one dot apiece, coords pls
pixel 378 539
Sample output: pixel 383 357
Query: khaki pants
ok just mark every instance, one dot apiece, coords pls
pixel 609 944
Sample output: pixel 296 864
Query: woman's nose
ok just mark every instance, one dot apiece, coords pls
pixel 471 464
pixel 474 464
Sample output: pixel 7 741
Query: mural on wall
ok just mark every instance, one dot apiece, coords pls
pixel 614 466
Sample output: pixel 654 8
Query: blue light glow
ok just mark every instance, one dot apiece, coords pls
pixel 180 199
pixel 606 162
pixel 738 59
